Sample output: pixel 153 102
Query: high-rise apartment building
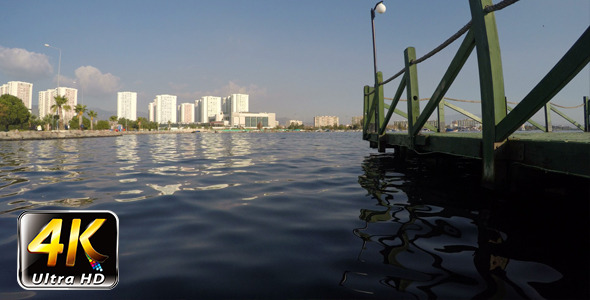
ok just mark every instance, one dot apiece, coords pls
pixel 357 121
pixel 127 105
pixel 208 109
pixel 47 99
pixel 22 90
pixel 152 111
pixel 187 113
pixel 235 103
pixel 321 121
pixel 165 109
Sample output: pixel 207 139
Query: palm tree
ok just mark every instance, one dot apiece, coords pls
pixel 80 110
pixel 47 120
pixel 113 121
pixel 140 120
pixel 59 106
pixel 92 114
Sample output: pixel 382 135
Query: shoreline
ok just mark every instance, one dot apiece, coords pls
pixel 16 135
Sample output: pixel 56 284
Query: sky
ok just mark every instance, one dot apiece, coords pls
pixel 298 59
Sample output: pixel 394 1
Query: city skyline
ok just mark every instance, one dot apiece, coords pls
pixel 312 60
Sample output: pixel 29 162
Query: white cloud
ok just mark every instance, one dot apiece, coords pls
pixel 234 88
pixel 21 63
pixel 231 87
pixel 95 83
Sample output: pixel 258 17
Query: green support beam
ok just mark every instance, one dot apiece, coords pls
pixel 369 117
pixel 412 87
pixel 576 58
pixel 547 111
pixel 398 94
pixel 566 117
pixel 539 126
pixel 462 111
pixel 365 105
pixel 491 81
pixel 586 113
pixel 441 117
pixel 379 101
pixel 447 80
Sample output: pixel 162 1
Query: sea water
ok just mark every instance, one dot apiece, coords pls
pixel 299 216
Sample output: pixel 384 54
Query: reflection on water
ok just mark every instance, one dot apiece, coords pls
pixel 297 215
pixel 443 242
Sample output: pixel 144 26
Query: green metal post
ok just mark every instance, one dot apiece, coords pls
pixel 547 109
pixel 412 88
pixel 441 116
pixel 379 110
pixel 365 110
pixel 369 116
pixel 586 114
pixel 379 106
pixel 491 81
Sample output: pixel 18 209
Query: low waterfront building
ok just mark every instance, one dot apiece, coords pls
pixel 253 120
pixel 294 123
pixel 322 121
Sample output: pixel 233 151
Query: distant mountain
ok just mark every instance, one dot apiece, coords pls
pixel 101 113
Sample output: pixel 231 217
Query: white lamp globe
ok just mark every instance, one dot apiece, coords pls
pixel 380 8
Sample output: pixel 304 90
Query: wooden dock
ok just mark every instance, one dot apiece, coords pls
pixel 564 152
pixel 499 144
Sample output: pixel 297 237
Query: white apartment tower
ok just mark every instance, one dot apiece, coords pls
pixel 208 108
pixel 165 109
pixel 187 113
pixel 22 90
pixel 321 121
pixel 235 103
pixel 47 99
pixel 152 111
pixel 127 105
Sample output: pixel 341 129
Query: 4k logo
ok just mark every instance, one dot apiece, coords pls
pixel 43 236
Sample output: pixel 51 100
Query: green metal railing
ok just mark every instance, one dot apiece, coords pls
pixel 498 120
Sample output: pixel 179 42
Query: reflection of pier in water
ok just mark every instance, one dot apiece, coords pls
pixel 429 248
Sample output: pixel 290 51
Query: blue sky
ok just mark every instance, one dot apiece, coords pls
pixel 296 58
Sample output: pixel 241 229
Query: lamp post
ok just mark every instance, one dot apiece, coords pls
pixel 59 63
pixel 380 8
pixel 58 72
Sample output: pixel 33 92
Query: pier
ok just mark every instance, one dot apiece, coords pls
pixel 499 145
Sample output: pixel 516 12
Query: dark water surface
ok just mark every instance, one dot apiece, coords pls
pixel 298 215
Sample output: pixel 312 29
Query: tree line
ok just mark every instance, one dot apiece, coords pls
pixel 15 115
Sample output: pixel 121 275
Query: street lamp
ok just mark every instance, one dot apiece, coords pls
pixel 380 8
pixel 59 64
pixel 58 71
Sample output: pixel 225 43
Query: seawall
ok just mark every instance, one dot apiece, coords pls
pixel 14 135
